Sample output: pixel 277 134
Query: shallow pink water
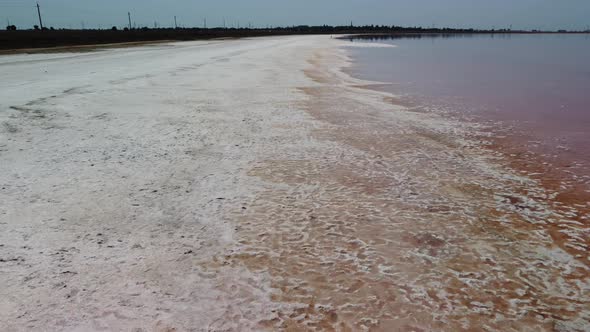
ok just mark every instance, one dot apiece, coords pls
pixel 536 85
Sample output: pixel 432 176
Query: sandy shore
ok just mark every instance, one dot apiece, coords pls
pixel 251 184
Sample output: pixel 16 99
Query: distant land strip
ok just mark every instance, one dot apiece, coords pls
pixel 14 39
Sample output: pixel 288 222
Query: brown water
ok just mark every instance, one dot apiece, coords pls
pixel 532 89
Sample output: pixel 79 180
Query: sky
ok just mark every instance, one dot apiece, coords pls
pixel 521 14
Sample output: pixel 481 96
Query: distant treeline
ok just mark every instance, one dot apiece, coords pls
pixel 14 38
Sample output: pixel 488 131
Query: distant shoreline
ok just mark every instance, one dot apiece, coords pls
pixel 25 41
pixel 436 34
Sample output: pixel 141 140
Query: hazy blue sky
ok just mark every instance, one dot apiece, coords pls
pixel 546 14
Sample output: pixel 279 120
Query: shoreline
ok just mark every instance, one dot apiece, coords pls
pixel 562 191
pixel 253 184
pixel 567 191
pixel 484 239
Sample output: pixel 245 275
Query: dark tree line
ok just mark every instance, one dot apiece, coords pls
pixel 306 29
pixel 38 38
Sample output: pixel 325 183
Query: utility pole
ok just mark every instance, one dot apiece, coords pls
pixel 39 13
pixel 175 24
pixel 224 22
pixel 205 23
pixel 129 17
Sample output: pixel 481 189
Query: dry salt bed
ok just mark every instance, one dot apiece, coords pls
pixel 248 185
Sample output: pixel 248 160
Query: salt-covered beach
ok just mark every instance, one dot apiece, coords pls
pixel 251 184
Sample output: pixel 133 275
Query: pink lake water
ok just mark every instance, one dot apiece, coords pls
pixel 534 88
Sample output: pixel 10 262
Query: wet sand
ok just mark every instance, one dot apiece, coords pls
pixel 253 185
